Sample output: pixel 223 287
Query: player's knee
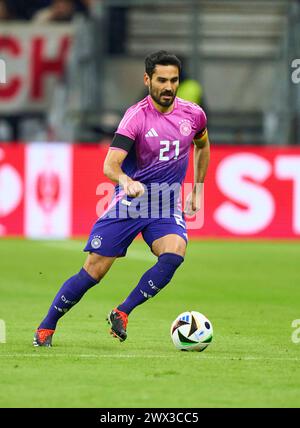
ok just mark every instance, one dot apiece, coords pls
pixel 168 264
pixel 97 266
pixel 96 271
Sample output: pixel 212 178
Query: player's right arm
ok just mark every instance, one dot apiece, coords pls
pixel 113 170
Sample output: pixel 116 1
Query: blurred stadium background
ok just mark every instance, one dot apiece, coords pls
pixel 73 67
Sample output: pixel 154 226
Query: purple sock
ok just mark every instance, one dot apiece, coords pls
pixel 69 294
pixel 152 281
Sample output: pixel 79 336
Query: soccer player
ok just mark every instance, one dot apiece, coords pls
pixel 148 155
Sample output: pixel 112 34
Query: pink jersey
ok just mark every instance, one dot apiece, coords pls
pixel 162 140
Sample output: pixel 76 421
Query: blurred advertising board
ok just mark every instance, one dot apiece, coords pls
pixel 35 57
pixel 58 190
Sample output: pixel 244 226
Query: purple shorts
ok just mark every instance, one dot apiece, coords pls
pixel 112 236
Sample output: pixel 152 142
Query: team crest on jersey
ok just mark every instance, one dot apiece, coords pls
pixel 96 242
pixel 185 127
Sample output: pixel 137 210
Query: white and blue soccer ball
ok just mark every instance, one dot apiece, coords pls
pixel 191 331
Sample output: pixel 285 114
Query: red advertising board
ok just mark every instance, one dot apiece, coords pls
pixel 54 190
pixel 11 190
pixel 252 192
pixel 36 56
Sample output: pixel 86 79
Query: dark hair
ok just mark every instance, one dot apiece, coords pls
pixel 161 58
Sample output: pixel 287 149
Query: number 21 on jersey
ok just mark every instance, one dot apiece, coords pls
pixel 165 148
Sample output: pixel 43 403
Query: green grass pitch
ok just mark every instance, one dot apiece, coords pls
pixel 249 290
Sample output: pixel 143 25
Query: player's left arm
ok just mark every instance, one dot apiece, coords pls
pixel 201 156
pixel 201 162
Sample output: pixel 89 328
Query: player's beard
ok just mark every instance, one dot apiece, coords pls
pixel 158 97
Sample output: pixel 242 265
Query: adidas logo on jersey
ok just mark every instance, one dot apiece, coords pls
pixel 151 133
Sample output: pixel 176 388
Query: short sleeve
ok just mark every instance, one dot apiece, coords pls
pixel 129 125
pixel 201 123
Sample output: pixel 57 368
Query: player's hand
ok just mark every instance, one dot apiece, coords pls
pixel 193 201
pixel 134 189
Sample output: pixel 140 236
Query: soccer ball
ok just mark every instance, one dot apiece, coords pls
pixel 191 331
